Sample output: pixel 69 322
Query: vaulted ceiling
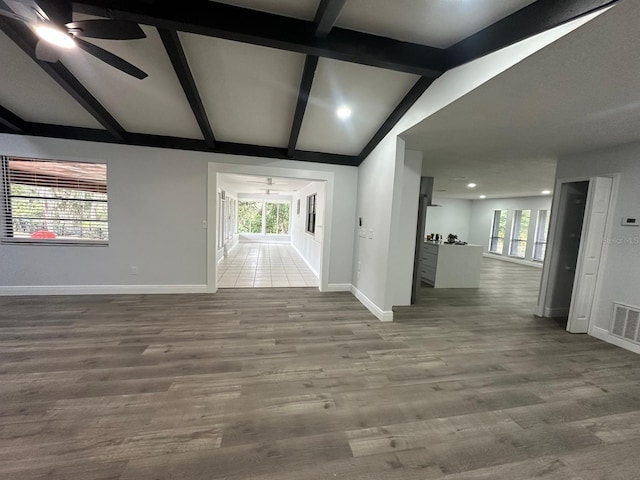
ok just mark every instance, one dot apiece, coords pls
pixel 258 77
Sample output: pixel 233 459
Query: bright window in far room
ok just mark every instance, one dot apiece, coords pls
pixel 542 231
pixel 311 214
pixel 496 243
pixel 519 233
pixel 54 202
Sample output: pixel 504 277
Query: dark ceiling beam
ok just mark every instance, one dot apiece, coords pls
pixel 310 64
pixel 189 144
pixel 11 121
pixel 214 19
pixel 530 20
pixel 326 17
pixel 407 102
pixel 26 40
pixel 181 66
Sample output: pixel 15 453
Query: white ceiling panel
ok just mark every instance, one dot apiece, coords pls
pixel 249 92
pixel 303 9
pixel 27 91
pixel 438 23
pixel 371 94
pixel 156 105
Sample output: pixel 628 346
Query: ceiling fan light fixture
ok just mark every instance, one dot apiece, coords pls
pixel 343 112
pixel 55 36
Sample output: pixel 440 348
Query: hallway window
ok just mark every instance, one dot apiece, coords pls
pixel 498 227
pixel 519 233
pixel 311 214
pixel 265 218
pixel 250 217
pixel 542 231
pixel 48 201
pixel 277 218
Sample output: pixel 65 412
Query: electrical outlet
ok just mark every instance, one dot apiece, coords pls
pixel 204 224
pixel 134 270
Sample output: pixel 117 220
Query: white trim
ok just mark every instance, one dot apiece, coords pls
pixel 99 289
pixel 372 307
pixel 556 312
pixel 313 270
pixel 338 287
pixel 519 261
pixel 604 335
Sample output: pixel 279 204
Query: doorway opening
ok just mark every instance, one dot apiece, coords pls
pixel 265 234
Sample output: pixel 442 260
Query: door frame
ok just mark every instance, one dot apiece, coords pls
pixel 551 241
pixel 214 168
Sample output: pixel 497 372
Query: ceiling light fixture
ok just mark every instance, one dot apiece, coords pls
pixel 471 185
pixel 55 36
pixel 483 196
pixel 546 192
pixel 343 112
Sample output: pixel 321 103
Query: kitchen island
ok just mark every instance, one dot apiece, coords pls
pixel 446 265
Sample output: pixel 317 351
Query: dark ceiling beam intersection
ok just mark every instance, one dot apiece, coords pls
pixel 230 22
pixel 181 66
pixel 11 121
pixel 326 17
pixel 26 40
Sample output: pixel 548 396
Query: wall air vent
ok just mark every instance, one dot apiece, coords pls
pixel 625 323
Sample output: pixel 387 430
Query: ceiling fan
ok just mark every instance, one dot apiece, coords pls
pixel 268 181
pixel 52 22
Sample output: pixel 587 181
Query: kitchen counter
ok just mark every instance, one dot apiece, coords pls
pixel 445 265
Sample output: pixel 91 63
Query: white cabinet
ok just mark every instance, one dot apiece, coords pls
pixel 451 266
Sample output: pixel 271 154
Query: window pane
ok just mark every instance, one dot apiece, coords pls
pixel 498 229
pixel 250 217
pixel 542 231
pixel 277 218
pixel 520 233
pixel 47 200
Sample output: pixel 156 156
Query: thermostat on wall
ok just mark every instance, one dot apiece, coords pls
pixel 630 221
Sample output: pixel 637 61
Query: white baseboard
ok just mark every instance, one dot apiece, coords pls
pixel 372 307
pixel 99 289
pixel 604 335
pixel 519 261
pixel 313 270
pixel 556 312
pixel 338 287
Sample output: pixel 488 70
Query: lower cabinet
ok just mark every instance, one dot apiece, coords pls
pixel 451 266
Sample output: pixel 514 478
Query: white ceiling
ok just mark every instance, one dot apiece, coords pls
pixel 249 92
pixel 579 94
pixel 260 184
pixel 371 93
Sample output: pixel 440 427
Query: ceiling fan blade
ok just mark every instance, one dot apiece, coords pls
pixel 107 29
pixel 57 11
pixel 111 59
pixel 46 52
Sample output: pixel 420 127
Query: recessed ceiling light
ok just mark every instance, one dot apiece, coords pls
pixel 471 185
pixel 546 192
pixel 483 196
pixel 343 112
pixel 55 36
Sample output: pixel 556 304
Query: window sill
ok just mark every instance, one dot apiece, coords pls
pixel 55 242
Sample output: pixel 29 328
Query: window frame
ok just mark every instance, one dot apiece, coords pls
pixel 516 229
pixel 495 231
pixel 310 224
pixel 7 220
pixel 541 235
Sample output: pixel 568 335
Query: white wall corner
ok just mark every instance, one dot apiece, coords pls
pixel 337 287
pixel 604 335
pixel 383 316
pixel 99 289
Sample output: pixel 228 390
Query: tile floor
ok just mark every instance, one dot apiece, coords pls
pixel 264 265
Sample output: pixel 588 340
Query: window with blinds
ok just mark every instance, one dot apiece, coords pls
pixel 54 202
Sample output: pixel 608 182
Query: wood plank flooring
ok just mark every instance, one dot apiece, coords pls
pixel 291 384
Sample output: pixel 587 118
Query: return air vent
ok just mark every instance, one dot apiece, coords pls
pixel 625 322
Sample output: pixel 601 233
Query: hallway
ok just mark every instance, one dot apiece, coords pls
pixel 261 265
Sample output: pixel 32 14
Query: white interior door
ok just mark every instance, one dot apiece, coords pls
pixel 593 231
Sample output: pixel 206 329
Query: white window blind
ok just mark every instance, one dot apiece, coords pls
pixel 47 201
